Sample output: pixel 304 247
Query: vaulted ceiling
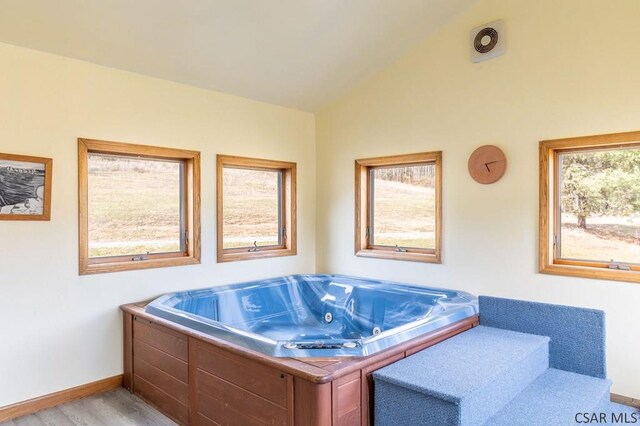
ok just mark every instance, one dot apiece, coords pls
pixel 296 53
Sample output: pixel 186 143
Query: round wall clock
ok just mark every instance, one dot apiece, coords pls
pixel 487 164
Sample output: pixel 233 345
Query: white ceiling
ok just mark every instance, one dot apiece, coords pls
pixel 296 53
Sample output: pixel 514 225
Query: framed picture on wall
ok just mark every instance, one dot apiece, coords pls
pixel 25 187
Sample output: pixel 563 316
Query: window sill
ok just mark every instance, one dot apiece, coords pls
pixel 406 256
pixel 102 268
pixel 594 273
pixel 235 256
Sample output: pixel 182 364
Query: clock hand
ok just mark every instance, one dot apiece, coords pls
pixel 487 165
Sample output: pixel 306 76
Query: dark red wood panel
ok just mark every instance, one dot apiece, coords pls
pixel 169 384
pixel 127 376
pixel 266 382
pixel 235 398
pixel 346 400
pixel 163 401
pixel 217 412
pixel 200 420
pixel 161 360
pixel 312 403
pixel 161 338
pixel 196 378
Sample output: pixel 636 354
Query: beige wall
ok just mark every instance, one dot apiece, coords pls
pixel 571 68
pixel 57 329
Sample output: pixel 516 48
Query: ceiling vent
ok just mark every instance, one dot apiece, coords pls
pixel 487 41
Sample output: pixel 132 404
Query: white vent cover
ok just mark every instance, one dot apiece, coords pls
pixel 487 41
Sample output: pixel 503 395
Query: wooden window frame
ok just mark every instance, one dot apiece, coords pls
pixel 288 209
pixel 191 254
pixel 363 203
pixel 549 219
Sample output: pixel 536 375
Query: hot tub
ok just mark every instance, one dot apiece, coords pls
pixel 316 315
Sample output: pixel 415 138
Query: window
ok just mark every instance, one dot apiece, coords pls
pixel 590 206
pixel 398 207
pixel 256 208
pixel 139 206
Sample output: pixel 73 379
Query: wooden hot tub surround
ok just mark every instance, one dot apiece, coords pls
pixel 197 379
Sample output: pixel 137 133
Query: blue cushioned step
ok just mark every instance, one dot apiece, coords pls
pixel 463 380
pixel 577 334
pixel 557 397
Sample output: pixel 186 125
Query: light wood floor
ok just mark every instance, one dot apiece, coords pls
pixel 114 408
